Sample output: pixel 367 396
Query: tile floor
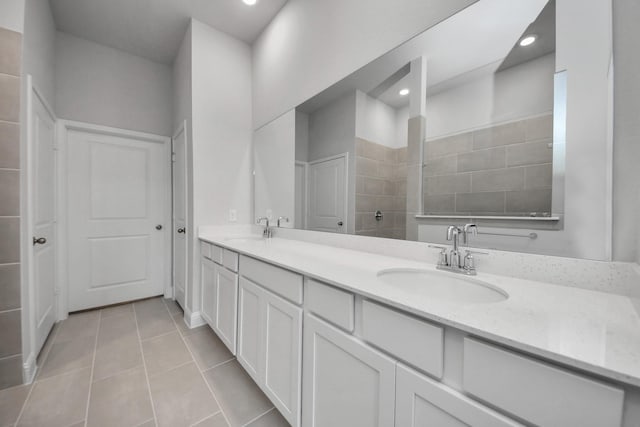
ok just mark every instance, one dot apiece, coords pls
pixel 137 365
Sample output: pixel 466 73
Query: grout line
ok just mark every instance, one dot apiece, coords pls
pixel 24 404
pixel 259 416
pixel 220 364
pixel 93 363
pixel 207 417
pixel 200 371
pixel 174 368
pixel 157 336
pixel 144 364
pixel 125 371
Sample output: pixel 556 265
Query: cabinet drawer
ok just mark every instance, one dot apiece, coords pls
pixel 539 393
pixel 205 249
pixel 216 254
pixel 415 341
pixel 330 303
pixel 276 279
pixel 230 259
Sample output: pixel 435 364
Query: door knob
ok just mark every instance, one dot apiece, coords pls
pixel 181 230
pixel 340 223
pixel 159 227
pixel 39 241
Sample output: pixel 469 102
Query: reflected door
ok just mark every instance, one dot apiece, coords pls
pixel 180 215
pixel 115 214
pixel 42 173
pixel 327 190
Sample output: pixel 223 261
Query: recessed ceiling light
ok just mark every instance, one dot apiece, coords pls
pixel 527 40
pixel 250 2
pixel 404 92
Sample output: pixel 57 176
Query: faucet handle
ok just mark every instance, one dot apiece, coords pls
pixel 282 218
pixel 442 259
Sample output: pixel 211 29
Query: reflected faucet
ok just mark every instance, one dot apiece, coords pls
pixel 266 233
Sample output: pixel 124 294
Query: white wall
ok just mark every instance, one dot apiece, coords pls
pixel 522 91
pixel 310 45
pixel 273 163
pixel 12 15
pixel 101 85
pixel 221 134
pixel 376 121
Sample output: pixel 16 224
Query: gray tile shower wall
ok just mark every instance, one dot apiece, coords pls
pixel 503 169
pixel 381 184
pixel 10 308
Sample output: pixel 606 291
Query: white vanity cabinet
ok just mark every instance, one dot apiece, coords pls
pixel 219 288
pixel 270 338
pixel 345 382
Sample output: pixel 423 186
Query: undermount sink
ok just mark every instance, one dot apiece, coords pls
pixel 443 286
pixel 243 239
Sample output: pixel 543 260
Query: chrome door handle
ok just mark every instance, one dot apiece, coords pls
pixel 181 230
pixel 39 241
pixel 159 227
pixel 340 223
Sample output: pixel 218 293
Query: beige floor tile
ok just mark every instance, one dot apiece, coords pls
pixel 240 398
pixel 150 423
pixel 58 401
pixel 178 318
pixel 48 343
pixel 172 306
pixel 11 402
pixel 116 357
pixel 207 348
pixel 153 318
pixel 78 424
pixel 115 310
pixel 68 356
pixel 77 326
pixel 271 419
pixel 216 421
pixel 121 400
pixel 181 397
pixel 117 327
pixel 165 352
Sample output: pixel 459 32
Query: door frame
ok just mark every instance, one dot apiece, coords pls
pixel 181 129
pixel 63 128
pixel 345 157
pixel 305 191
pixel 26 232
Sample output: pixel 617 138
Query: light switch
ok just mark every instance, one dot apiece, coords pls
pixel 233 215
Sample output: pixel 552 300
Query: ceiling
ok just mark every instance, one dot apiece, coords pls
pixel 154 29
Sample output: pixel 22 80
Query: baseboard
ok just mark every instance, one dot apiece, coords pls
pixel 29 369
pixel 193 320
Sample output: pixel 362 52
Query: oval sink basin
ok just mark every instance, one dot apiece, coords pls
pixel 243 239
pixel 443 286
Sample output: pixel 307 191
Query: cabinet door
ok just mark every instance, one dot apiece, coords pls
pixel 421 401
pixel 226 303
pixel 345 383
pixel 249 324
pixel 283 351
pixel 208 279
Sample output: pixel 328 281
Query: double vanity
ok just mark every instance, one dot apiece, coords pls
pixel 341 337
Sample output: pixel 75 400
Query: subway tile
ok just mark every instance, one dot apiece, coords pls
pixel 9 286
pixel 9 192
pixel 374 151
pixel 358 223
pixel 10 371
pixel 181 397
pixel 510 133
pixel 391 155
pixel 10 52
pixel 9 98
pixel 402 155
pixel 359 147
pixel 366 167
pixel 538 176
pixel 9 240
pixel 447 184
pixel 360 184
pixel 164 353
pixel 441 203
pixel 9 145
pixel 456 144
pixel 401 187
pixel 389 188
pixel 368 221
pixel 539 128
pixel 480 202
pixel 416 134
pixel 386 170
pixel 120 400
pixel 11 402
pixel 530 153
pixel 401 172
pixel 529 201
pixel 441 166
pixel 240 398
pixel 399 203
pixel 58 401
pixel 497 180
pixel 365 203
pixel 207 348
pixel 373 186
pixel 384 204
pixel 493 158
pixel 10 333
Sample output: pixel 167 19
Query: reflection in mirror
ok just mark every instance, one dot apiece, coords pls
pixel 457 121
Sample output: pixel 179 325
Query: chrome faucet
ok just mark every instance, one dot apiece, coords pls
pixel 267 230
pixel 453 261
pixel 282 218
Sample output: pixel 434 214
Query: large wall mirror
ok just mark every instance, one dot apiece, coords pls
pixel 465 122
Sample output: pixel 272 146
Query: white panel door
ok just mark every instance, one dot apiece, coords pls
pixel 208 280
pixel 226 303
pixel 327 195
pixel 345 383
pixel 421 401
pixel 179 234
pixel 300 196
pixel 116 193
pixel 42 173
pixel 249 329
